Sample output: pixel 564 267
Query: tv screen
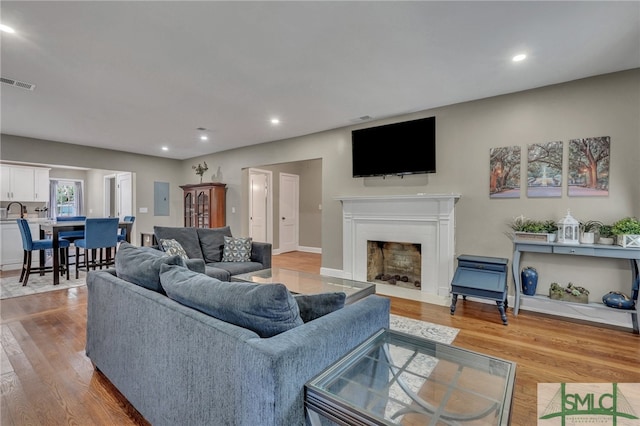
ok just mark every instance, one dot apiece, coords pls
pixel 395 149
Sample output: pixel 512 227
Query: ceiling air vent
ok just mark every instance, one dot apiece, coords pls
pixel 16 83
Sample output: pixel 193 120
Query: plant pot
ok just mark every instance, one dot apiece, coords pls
pixel 605 240
pixel 529 277
pixel 628 240
pixel 587 238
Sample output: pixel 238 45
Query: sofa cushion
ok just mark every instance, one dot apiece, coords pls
pixel 187 237
pixel 142 267
pixel 314 306
pixel 173 248
pixel 235 268
pixel 236 249
pixel 267 309
pixel 212 242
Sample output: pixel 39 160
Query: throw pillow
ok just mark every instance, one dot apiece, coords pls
pixel 142 267
pixel 314 306
pixel 266 309
pixel 173 248
pixel 212 242
pixel 236 249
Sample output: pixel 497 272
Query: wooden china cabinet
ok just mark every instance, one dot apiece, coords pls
pixel 204 205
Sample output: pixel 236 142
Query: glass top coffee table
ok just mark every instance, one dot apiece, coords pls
pixel 397 379
pixel 306 283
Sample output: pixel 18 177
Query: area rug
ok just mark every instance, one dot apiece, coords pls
pixel 409 382
pixel 10 287
pixel 427 330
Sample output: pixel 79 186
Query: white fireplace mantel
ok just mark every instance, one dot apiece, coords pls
pixel 425 219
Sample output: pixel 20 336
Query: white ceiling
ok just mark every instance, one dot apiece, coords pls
pixel 137 75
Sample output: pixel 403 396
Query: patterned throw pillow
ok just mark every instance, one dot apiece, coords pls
pixel 236 249
pixel 172 248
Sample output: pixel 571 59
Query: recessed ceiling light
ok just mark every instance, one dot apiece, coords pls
pixel 520 57
pixel 204 138
pixel 165 148
pixel 275 121
pixel 7 29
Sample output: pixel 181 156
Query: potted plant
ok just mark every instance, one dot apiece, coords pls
pixel 627 232
pixel 533 230
pixel 605 233
pixel 588 231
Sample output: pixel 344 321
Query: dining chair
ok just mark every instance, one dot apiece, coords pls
pixel 99 234
pixel 122 236
pixel 71 236
pixel 29 245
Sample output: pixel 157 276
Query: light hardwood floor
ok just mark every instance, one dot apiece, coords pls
pixel 46 378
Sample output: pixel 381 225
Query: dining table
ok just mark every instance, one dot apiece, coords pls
pixel 54 228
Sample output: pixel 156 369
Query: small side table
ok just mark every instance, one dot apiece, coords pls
pixel 480 276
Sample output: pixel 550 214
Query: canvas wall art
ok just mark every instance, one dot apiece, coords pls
pixel 589 167
pixel 544 169
pixel 504 172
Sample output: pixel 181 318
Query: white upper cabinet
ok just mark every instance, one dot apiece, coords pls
pixel 21 183
pixel 41 185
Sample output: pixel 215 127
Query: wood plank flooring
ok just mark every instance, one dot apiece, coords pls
pixel 47 380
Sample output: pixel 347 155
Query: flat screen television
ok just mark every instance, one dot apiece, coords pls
pixel 400 149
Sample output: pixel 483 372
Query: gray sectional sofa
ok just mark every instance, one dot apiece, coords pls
pixel 207 244
pixel 183 359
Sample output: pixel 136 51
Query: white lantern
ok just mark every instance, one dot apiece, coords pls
pixel 568 230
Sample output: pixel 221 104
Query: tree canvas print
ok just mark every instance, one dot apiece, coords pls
pixel 504 172
pixel 589 167
pixel 544 169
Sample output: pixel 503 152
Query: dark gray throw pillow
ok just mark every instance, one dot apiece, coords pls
pixel 212 242
pixel 314 306
pixel 141 267
pixel 266 309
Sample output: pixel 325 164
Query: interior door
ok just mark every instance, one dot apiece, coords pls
pixel 258 205
pixel 125 195
pixel 289 215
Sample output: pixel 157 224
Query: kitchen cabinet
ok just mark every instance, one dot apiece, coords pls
pixel 24 184
pixel 204 205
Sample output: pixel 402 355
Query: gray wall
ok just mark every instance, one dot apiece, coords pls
pixel 607 105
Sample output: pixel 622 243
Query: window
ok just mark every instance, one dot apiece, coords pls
pixel 66 198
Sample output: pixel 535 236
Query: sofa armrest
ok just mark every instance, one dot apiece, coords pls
pixel 289 360
pixel 261 252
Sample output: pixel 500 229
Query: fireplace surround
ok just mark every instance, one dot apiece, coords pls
pixel 427 220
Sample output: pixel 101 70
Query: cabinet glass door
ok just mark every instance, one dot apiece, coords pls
pixel 188 209
pixel 202 209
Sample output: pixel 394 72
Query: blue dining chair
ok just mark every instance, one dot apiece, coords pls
pixel 122 236
pixel 71 236
pixel 99 234
pixel 29 245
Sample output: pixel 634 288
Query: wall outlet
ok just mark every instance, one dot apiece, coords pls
pixel 143 210
pixel 233 209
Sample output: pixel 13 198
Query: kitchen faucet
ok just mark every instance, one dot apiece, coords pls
pixel 21 208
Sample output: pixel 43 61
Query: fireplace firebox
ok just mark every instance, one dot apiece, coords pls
pixel 394 263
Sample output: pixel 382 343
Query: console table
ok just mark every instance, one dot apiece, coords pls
pixel 594 250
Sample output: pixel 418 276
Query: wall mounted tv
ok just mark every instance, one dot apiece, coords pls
pixel 398 149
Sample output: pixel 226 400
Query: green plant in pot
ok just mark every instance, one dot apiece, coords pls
pixel 522 224
pixel 588 231
pixel 627 232
pixel 605 233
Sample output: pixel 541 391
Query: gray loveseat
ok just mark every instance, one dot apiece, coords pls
pixel 208 243
pixel 179 366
